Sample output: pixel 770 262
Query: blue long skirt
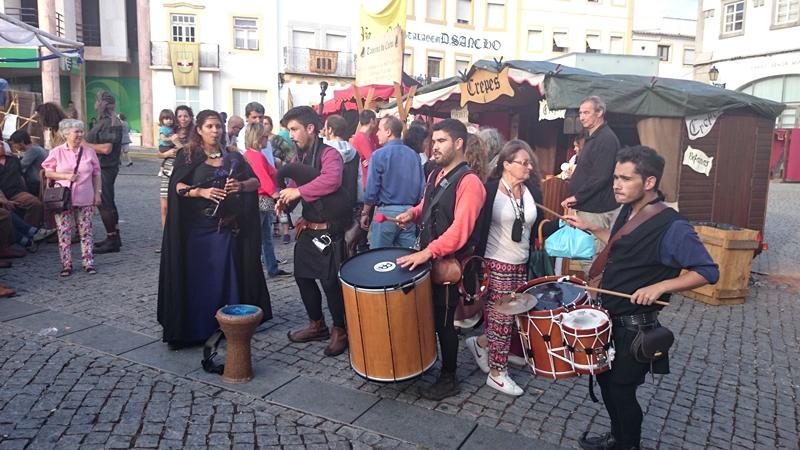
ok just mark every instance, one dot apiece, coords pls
pixel 210 277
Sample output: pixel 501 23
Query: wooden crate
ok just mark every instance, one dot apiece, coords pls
pixel 732 250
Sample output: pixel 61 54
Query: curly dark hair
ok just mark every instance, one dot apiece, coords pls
pixel 195 147
pixel 50 115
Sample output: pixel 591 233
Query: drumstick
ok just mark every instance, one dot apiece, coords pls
pixel 618 294
pixel 546 209
pixel 382 218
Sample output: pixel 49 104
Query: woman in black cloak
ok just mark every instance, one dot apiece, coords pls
pixel 211 248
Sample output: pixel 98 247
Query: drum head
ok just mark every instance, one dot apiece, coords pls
pixel 584 319
pixel 555 294
pixel 376 269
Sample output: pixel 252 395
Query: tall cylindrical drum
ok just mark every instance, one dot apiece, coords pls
pixel 389 315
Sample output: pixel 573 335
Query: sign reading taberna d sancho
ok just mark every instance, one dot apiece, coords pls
pixel 485 86
pixel 380 59
pixel 185 60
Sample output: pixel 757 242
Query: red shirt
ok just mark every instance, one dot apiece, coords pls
pixel 263 170
pixel 364 145
pixel 470 196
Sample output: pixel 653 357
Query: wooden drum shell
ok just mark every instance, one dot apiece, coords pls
pixel 390 331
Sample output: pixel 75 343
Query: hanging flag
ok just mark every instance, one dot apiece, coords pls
pixel 185 60
pixel 381 16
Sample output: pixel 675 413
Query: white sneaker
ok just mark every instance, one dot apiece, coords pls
pixel 504 384
pixel 517 361
pixel 480 354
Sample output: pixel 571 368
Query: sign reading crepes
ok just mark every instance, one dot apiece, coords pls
pixel 484 86
pixel 380 59
pixel 699 125
pixel 697 160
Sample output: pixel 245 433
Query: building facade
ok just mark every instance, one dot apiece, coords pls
pixel 672 42
pixel 108 30
pixel 238 54
pixel 754 47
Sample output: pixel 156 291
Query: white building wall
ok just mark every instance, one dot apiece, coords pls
pixel 679 64
pixel 113 38
pixel 457 43
pixel 540 22
pixel 246 70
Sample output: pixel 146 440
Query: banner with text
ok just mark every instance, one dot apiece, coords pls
pixel 380 59
pixel 381 16
pixel 485 86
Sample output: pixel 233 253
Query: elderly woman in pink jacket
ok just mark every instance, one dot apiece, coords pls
pixel 76 166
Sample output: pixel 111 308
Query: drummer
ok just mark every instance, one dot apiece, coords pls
pixel 646 261
pixel 505 236
pixel 448 211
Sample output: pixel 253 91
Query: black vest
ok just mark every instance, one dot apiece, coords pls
pixel 320 210
pixel 441 215
pixel 633 262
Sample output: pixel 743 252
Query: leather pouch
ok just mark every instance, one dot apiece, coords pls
pixel 651 344
pixel 446 270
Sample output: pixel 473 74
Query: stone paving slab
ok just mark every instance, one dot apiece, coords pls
pixel 484 437
pixel 158 356
pixel 109 339
pixel 323 399
pixel 45 321
pixel 266 379
pixel 14 309
pixel 432 429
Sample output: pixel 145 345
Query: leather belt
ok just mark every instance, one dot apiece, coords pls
pixel 316 226
pixel 635 320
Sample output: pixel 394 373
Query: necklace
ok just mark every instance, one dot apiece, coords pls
pixel 214 155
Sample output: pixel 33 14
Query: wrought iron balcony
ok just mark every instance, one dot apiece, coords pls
pixel 159 55
pixel 27 15
pixel 319 61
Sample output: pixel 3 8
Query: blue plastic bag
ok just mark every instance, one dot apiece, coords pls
pixel 570 242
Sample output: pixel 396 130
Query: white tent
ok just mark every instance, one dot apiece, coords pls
pixel 14 33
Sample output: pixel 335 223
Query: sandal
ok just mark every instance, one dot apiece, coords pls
pixel 66 272
pixel 90 270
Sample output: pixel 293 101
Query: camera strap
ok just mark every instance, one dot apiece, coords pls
pixel 519 206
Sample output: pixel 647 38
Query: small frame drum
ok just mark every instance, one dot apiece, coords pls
pixel 539 330
pixel 389 315
pixel 587 333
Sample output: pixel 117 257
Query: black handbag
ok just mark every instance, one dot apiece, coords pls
pixel 59 198
pixel 651 344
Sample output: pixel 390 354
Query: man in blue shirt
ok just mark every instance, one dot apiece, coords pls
pixel 395 183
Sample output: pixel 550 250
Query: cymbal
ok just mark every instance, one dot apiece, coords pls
pixel 516 303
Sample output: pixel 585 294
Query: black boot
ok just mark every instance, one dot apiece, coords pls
pixel 445 386
pixel 111 244
pixel 604 441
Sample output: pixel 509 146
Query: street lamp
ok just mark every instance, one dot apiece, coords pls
pixel 323 86
pixel 713 74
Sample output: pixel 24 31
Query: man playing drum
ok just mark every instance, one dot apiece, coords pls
pixel 645 260
pixel 448 212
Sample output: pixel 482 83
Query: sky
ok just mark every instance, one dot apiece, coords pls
pixel 648 13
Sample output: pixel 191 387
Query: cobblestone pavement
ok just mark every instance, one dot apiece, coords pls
pixel 735 377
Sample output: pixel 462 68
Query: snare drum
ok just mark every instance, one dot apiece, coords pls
pixel 389 315
pixel 539 330
pixel 587 334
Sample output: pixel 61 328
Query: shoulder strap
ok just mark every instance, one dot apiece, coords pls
pixel 647 213
pixel 77 163
pixel 441 188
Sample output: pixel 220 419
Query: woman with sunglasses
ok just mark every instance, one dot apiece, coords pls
pixel 504 238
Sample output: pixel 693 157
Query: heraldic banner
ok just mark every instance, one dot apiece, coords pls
pixel 185 60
